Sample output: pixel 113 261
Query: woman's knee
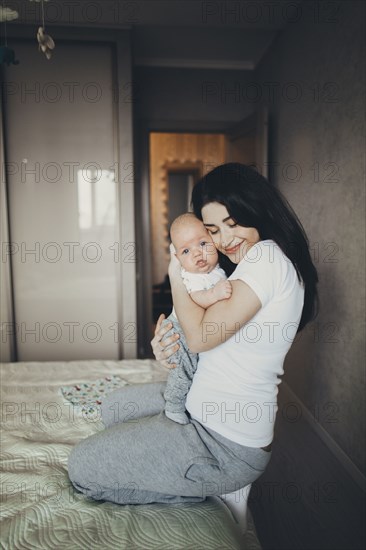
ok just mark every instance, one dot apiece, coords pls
pixel 78 473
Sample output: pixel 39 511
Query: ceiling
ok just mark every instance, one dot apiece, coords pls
pixel 221 34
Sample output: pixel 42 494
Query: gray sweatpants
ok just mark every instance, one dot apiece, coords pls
pixel 144 457
pixel 179 379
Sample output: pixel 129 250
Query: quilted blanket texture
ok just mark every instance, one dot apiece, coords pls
pixel 40 508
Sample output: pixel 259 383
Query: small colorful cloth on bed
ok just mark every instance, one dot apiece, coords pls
pixel 88 395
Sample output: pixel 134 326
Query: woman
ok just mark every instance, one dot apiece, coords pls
pixel 242 344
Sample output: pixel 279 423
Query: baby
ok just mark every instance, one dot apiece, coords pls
pixel 206 284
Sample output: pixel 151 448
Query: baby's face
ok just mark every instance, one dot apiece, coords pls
pixel 194 247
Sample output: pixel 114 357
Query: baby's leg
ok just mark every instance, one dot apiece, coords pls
pixel 180 378
pixel 133 402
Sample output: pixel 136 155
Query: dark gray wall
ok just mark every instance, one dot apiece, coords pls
pixel 319 142
pixel 191 95
pixel 312 80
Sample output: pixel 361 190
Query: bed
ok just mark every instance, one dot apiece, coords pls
pixel 41 509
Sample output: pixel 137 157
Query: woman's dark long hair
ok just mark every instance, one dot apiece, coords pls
pixel 253 202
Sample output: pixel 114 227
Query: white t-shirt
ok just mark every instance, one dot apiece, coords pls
pixel 234 390
pixel 201 281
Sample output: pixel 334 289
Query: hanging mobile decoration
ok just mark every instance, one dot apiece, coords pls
pixel 45 42
pixel 7 55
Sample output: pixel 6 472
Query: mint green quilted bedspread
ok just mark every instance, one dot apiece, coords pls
pixel 40 508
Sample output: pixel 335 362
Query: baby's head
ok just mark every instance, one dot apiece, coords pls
pixel 193 244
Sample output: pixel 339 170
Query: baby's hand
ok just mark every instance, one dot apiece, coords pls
pixel 222 290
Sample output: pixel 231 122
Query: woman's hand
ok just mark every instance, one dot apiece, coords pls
pixel 162 347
